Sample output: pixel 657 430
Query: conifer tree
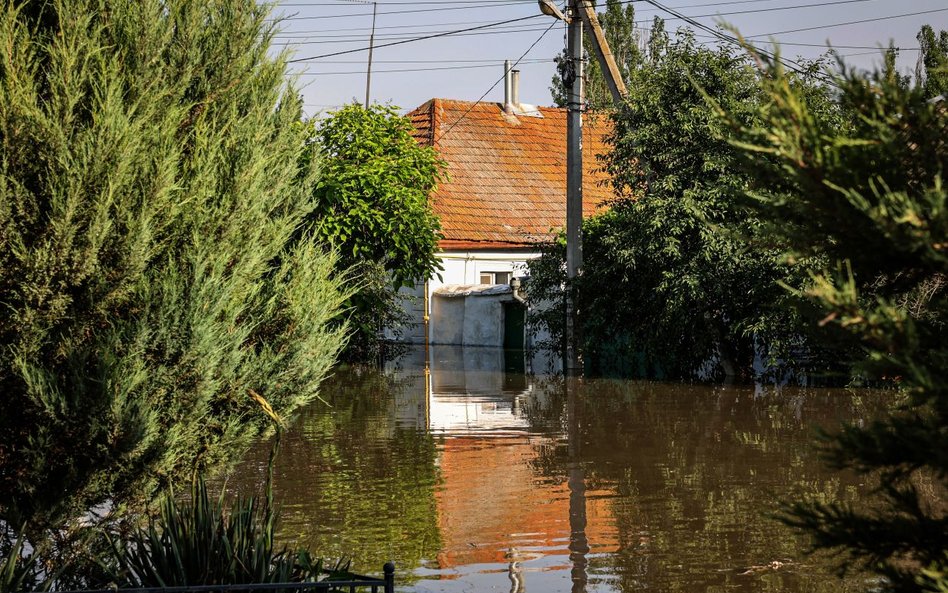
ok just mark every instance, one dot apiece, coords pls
pixel 156 314
pixel 869 197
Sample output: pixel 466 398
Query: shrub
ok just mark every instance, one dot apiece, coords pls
pixel 154 314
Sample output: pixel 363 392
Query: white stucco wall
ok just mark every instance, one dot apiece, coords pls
pixel 480 321
pixel 465 267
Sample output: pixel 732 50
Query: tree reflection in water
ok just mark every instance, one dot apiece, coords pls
pixel 471 479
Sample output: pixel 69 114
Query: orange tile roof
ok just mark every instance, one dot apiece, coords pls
pixel 506 181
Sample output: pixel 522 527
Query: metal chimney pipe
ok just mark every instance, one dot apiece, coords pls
pixel 508 105
pixel 515 88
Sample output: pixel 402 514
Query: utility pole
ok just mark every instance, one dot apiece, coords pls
pixel 574 184
pixel 368 72
pixel 581 14
pixel 607 62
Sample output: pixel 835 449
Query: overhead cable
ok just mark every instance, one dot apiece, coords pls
pixel 872 20
pixel 514 65
pixel 392 43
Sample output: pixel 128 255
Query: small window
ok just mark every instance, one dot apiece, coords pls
pixel 495 277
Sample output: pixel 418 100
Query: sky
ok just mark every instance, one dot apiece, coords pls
pixel 469 66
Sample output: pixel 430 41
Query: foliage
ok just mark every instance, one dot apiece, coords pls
pixel 154 315
pixel 931 72
pixel 20 571
pixel 676 280
pixel 198 543
pixel 372 206
pixel 190 542
pixel 618 25
pixel 870 198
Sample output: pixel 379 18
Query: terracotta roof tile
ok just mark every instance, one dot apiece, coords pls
pixel 506 174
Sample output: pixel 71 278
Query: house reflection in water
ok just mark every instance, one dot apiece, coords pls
pixel 502 517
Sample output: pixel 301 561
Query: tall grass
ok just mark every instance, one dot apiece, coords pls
pixel 197 542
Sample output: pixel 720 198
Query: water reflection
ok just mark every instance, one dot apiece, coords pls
pixel 475 479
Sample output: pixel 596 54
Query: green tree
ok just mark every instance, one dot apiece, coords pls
pixel 156 314
pixel 676 281
pixel 869 197
pixel 372 206
pixel 618 24
pixel 931 72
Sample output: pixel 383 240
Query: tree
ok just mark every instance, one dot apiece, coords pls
pixel 931 72
pixel 618 24
pixel 157 317
pixel 676 281
pixel 869 198
pixel 372 206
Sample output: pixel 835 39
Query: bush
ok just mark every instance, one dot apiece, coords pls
pixel 154 315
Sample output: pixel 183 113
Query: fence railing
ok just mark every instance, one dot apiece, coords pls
pixel 357 584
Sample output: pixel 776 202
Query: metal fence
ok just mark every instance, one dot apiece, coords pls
pixel 357 584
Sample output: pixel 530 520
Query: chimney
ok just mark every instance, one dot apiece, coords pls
pixel 508 88
pixel 512 104
pixel 515 89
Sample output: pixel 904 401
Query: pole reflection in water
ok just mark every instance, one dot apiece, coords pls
pixel 578 545
pixel 473 479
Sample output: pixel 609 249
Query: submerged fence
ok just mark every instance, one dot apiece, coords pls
pixel 356 584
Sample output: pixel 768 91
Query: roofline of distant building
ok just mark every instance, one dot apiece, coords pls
pixel 462 245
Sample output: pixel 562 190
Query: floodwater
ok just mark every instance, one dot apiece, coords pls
pixel 475 479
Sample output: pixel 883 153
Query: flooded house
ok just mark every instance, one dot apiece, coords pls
pixel 504 196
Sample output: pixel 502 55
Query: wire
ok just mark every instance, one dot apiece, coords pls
pixel 411 2
pixel 390 44
pixel 872 20
pixel 285 34
pixel 494 61
pixel 392 70
pixel 733 40
pixel 367 29
pixel 826 46
pixel 384 12
pixel 772 9
pixel 409 34
pixel 406 39
pixel 514 65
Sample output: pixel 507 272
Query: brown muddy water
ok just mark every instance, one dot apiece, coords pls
pixel 475 479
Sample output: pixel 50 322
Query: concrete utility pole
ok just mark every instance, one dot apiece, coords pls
pixel 368 72
pixel 581 13
pixel 574 184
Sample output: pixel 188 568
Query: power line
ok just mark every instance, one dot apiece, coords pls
pixel 341 16
pixel 407 39
pixel 410 2
pixel 390 44
pixel 675 16
pixel 455 2
pixel 285 34
pixel 826 46
pixel 331 38
pixel 432 69
pixel 453 34
pixel 471 108
pixel 366 29
pixel 733 40
pixel 872 20
pixel 484 61
pixel 773 8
